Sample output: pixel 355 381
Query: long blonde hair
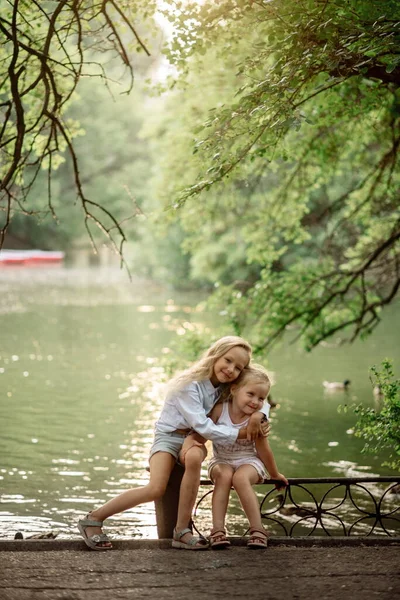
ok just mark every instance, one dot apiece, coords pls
pixel 254 373
pixel 203 368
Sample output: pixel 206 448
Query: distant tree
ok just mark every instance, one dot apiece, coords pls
pixel 47 48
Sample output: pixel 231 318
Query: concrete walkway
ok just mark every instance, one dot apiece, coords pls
pixel 53 570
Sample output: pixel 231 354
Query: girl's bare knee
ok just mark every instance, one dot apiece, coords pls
pixel 194 457
pixel 156 490
pixel 240 480
pixel 222 477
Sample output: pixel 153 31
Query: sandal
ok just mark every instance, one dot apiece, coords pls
pixel 218 539
pixel 93 541
pixel 195 543
pixel 258 539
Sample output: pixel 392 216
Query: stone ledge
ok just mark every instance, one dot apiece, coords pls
pixel 165 544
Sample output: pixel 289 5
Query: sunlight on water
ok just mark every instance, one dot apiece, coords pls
pixel 346 468
pixel 85 431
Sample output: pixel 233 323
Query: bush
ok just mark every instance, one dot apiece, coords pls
pixel 381 428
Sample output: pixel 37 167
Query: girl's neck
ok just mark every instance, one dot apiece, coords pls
pixel 214 381
pixel 236 415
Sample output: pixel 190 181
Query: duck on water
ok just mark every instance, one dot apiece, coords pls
pixel 336 385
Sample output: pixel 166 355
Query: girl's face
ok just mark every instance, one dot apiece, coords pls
pixel 228 367
pixel 250 397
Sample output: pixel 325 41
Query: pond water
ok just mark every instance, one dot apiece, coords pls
pixel 82 377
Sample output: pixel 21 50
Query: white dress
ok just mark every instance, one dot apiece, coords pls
pixel 238 453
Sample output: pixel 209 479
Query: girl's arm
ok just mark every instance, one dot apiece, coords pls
pixel 194 439
pixel 265 453
pixel 255 429
pixel 190 405
pixel 256 425
pixel 214 416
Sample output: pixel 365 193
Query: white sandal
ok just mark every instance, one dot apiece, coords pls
pixel 191 544
pixel 93 541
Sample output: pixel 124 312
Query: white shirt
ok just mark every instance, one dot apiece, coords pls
pixel 188 409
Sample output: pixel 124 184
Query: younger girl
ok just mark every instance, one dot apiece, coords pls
pixel 242 464
pixel 191 397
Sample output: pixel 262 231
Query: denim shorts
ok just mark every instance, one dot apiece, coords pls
pixel 167 442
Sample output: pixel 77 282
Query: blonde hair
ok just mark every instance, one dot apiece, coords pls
pixel 252 373
pixel 204 367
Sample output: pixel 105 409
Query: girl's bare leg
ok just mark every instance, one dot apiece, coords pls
pixel 189 488
pixel 161 465
pixel 222 477
pixel 243 480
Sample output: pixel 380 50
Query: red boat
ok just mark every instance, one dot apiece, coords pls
pixel 30 257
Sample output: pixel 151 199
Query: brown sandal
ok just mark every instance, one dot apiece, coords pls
pixel 218 539
pixel 258 539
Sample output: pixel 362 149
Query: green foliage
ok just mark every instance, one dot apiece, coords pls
pixel 157 254
pixel 289 161
pixel 295 51
pixel 380 428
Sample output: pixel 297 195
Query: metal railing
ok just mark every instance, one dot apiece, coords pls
pixel 341 506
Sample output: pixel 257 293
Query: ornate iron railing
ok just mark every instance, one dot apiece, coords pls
pixel 342 506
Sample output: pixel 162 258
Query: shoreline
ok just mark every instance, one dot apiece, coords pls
pixel 165 544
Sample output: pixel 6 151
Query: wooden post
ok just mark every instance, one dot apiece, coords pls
pixel 167 506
